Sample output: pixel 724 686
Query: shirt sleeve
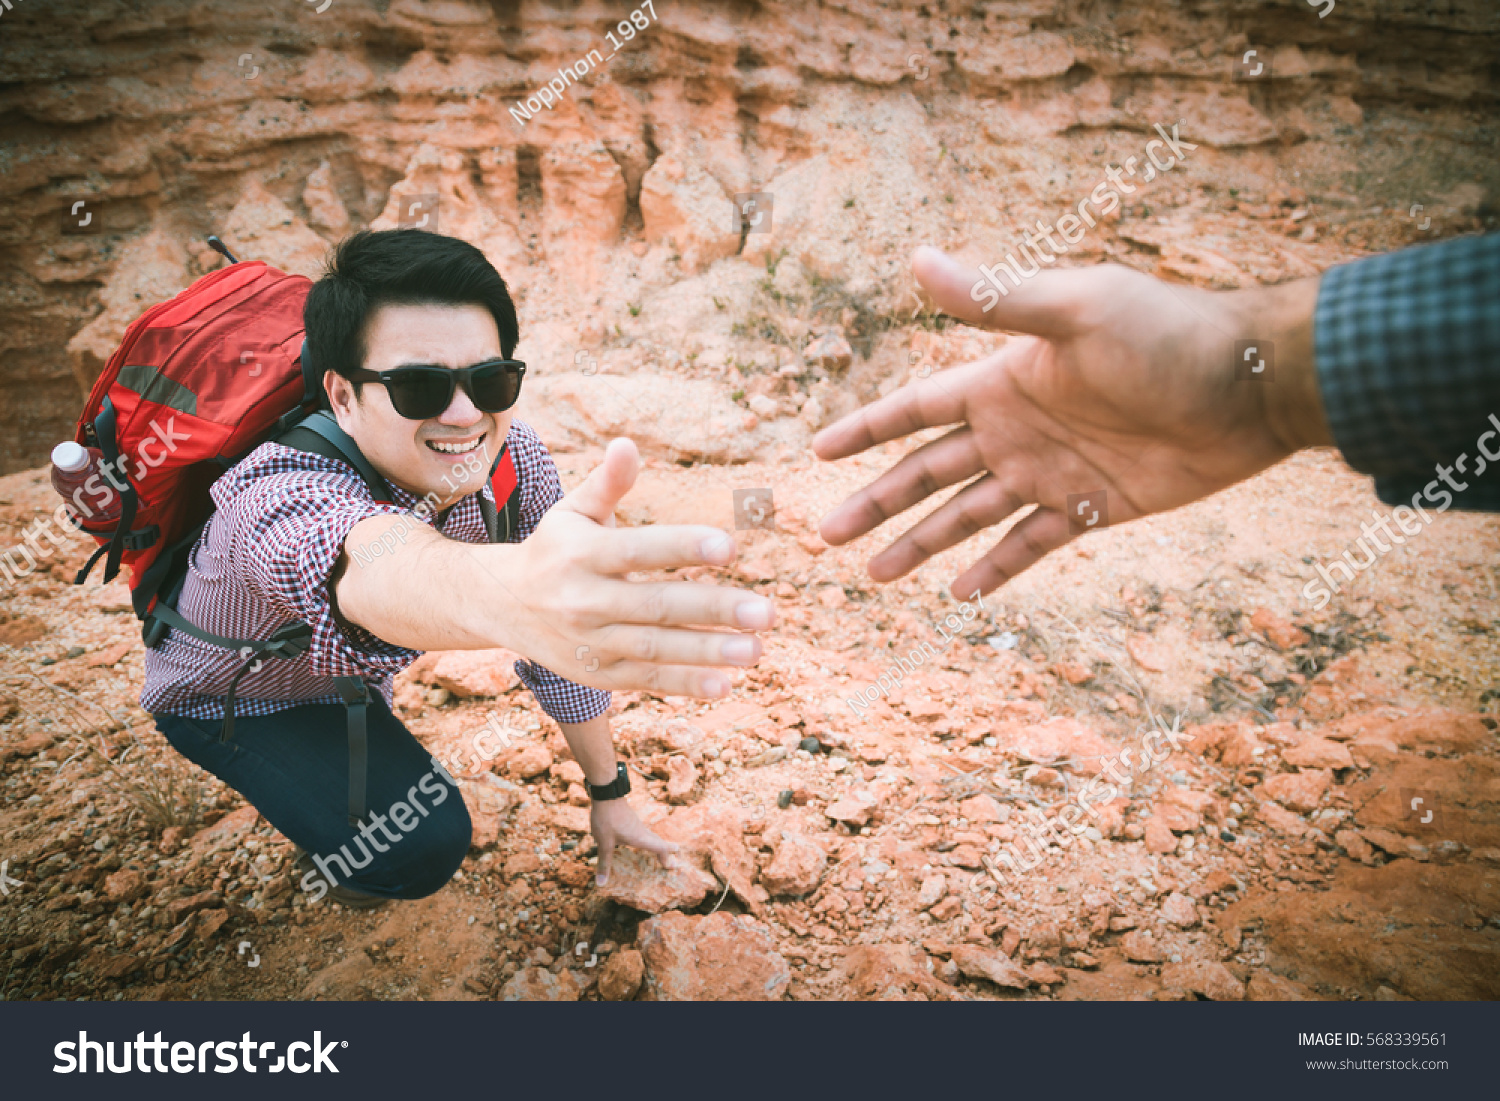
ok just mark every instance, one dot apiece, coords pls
pixel 541 488
pixel 291 528
pixel 1408 362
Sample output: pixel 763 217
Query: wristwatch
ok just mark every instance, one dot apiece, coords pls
pixel 618 789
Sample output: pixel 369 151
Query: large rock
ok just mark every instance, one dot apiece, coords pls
pixel 714 835
pixel 721 957
pixel 683 204
pixel 990 964
pixel 796 868
pixel 638 880
pixel 621 976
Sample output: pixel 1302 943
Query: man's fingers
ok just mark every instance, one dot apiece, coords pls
pixel 1044 304
pixel 933 466
pixel 977 506
pixel 601 491
pixel 910 409
pixel 667 647
pixel 660 547
pixel 686 604
pixel 1037 534
pixel 605 839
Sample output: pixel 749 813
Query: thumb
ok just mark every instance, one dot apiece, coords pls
pixel 605 839
pixel 999 295
pixel 601 491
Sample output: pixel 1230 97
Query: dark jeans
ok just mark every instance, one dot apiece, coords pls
pixel 293 766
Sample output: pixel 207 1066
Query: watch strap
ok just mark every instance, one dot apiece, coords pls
pixel 616 789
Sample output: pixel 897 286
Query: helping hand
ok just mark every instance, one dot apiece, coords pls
pixel 1127 386
pixel 593 627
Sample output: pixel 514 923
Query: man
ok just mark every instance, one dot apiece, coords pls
pixel 1159 394
pixel 291 538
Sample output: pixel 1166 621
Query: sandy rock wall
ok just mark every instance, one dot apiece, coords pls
pixel 874 126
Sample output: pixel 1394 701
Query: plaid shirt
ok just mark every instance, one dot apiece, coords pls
pixel 263 561
pixel 1408 355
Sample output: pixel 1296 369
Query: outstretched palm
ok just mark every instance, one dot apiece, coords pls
pixel 1125 400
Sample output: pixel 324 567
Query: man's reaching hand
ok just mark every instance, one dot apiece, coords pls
pixel 562 598
pixel 1126 384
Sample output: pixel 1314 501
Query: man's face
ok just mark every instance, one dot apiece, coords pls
pixel 406 452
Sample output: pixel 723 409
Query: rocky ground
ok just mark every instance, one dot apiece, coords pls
pixel 1275 855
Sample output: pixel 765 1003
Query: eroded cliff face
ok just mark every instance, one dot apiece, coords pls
pixel 873 127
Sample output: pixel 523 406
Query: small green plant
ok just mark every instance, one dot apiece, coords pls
pixel 848 203
pixel 635 309
pixel 738 395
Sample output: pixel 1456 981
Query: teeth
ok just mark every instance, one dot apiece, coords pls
pixel 454 448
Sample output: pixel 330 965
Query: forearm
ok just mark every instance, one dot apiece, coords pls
pixel 429 592
pixel 593 748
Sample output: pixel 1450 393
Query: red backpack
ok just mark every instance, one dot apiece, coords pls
pixel 197 383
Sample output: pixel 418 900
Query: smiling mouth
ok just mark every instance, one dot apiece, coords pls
pixel 458 447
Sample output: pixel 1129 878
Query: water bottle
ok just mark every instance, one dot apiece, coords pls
pixel 77 468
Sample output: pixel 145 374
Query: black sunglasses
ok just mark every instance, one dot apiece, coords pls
pixel 421 392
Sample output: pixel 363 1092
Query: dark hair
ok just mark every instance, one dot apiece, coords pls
pixel 401 267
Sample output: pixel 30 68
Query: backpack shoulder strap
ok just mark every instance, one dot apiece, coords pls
pixel 502 521
pixel 320 434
